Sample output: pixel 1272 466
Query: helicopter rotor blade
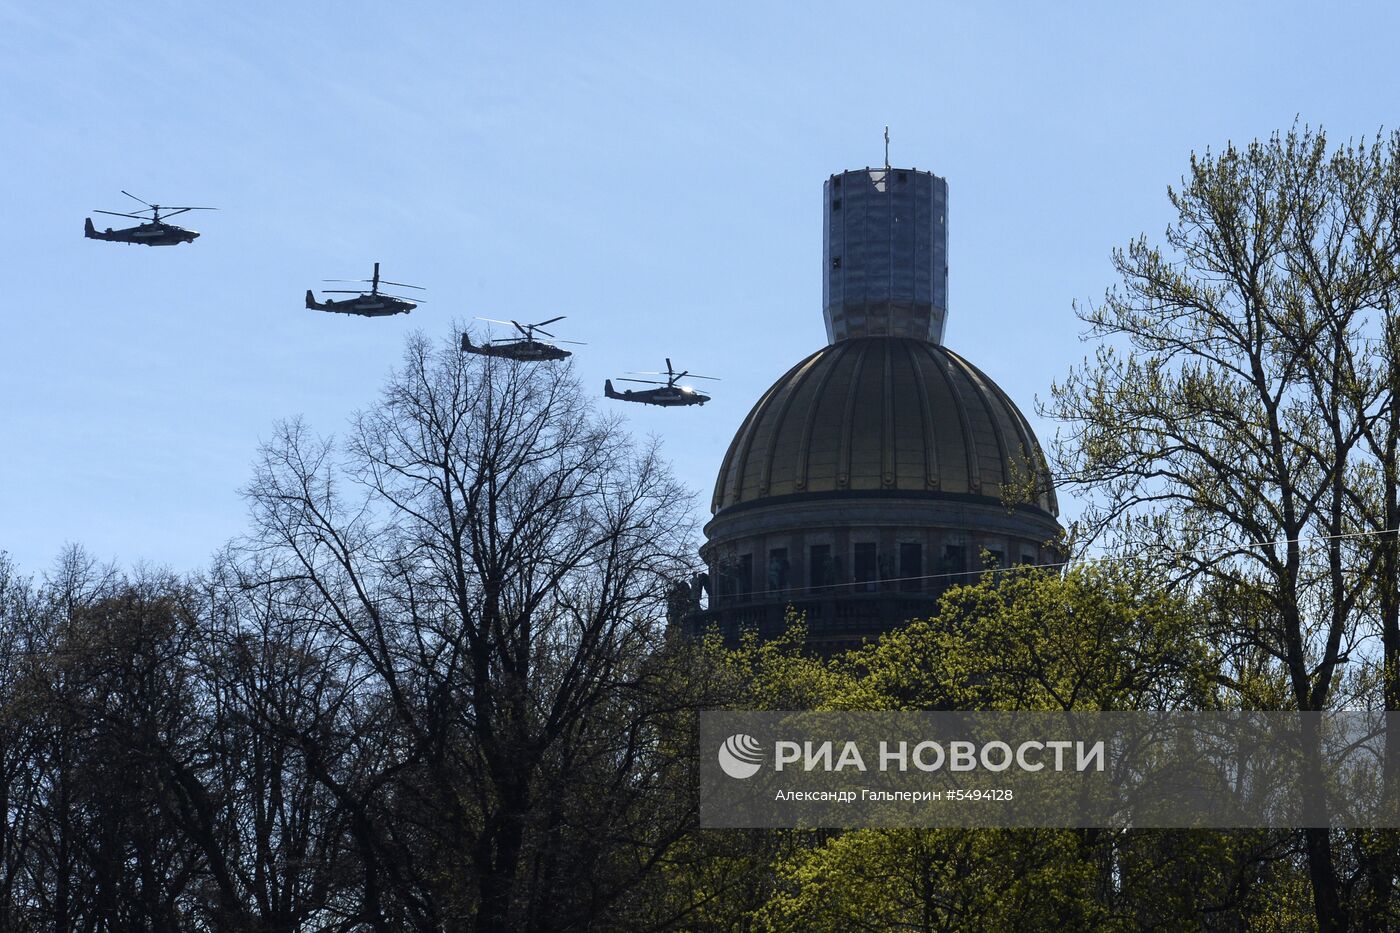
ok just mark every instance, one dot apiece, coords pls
pixel 650 382
pixel 117 214
pixel 401 285
pixel 523 328
pixel 551 320
pixel 135 198
pixel 683 374
pixel 172 211
pixel 345 280
pixel 577 343
pixel 341 291
pixel 537 329
pixel 492 320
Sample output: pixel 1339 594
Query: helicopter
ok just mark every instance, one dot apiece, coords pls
pixel 372 303
pixel 526 348
pixel 669 396
pixel 152 232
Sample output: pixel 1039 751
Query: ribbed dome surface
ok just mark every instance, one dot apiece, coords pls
pixel 892 414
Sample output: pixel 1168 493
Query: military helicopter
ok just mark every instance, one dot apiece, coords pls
pixel 152 232
pixel 526 348
pixel 372 303
pixel 669 396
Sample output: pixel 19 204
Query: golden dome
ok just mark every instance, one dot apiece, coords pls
pixel 893 415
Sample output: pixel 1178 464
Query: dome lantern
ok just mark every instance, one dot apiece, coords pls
pixel 885 254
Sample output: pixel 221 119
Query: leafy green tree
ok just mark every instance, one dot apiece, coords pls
pixel 937 880
pixel 1238 422
pixel 1099 637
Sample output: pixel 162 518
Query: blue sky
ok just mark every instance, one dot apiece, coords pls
pixel 653 171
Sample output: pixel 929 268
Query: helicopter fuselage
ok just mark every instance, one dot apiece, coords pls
pixel 364 306
pixel 666 397
pixel 525 351
pixel 152 234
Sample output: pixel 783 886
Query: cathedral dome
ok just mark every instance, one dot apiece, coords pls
pixel 884 468
pixel 884 416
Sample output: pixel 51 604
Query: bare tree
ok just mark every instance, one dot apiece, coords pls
pixel 20 740
pixel 102 688
pixel 489 560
